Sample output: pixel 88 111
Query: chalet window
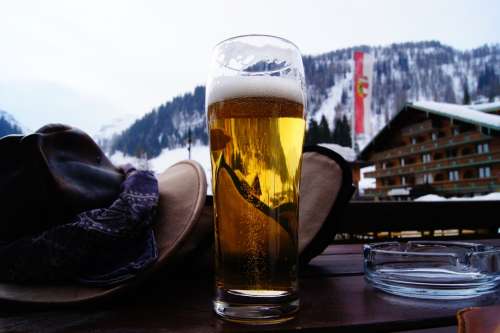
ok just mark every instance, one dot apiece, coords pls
pixel 451 153
pixel 402 161
pixel 413 141
pixel 484 172
pixel 428 178
pixel 403 180
pixel 466 151
pixel 384 165
pixel 434 137
pixel 456 131
pixel 453 175
pixel 468 174
pixel 426 158
pixel 439 177
pixel 483 148
pixel 485 131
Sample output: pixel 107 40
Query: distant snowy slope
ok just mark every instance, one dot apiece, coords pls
pixel 9 125
pixel 7 117
pixel 105 135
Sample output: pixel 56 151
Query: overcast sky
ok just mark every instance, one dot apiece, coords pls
pixel 88 62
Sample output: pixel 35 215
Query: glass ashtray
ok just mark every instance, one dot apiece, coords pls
pixel 433 269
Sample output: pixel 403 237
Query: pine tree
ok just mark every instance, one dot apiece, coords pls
pixel 325 135
pixel 347 132
pixel 312 134
pixel 342 132
pixel 343 97
pixel 466 99
pixel 337 132
pixel 488 83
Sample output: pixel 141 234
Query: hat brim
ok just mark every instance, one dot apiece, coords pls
pixel 183 189
pixel 326 188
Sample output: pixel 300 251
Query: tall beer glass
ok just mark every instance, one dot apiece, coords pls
pixel 255 110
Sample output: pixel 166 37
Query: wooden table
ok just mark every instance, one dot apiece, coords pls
pixel 334 298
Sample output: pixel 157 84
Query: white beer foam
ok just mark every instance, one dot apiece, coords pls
pixel 229 87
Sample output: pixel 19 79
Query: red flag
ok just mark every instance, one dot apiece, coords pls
pixel 363 69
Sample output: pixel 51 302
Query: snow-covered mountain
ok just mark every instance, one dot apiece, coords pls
pixel 109 132
pixel 424 71
pixel 8 124
pixel 402 72
pixel 168 126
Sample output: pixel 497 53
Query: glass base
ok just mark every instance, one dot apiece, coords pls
pixel 256 307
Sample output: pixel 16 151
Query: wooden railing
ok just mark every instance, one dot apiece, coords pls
pixel 468 137
pixel 442 164
pixel 363 217
pixel 471 182
pixel 443 185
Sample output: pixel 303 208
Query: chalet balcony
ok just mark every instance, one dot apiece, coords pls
pixel 471 184
pixel 468 137
pixel 437 165
pixel 419 128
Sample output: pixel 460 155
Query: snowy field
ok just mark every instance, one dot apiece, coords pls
pixel 364 182
pixel 434 197
pixel 167 158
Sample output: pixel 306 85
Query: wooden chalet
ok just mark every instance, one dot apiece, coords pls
pixel 440 148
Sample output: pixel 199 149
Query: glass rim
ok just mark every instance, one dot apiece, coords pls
pixel 379 247
pixel 287 41
pixel 271 37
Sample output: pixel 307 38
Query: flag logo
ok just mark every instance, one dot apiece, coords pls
pixel 361 85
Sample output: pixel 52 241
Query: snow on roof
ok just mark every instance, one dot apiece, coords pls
pixel 434 197
pixel 366 183
pixel 486 107
pixel 346 152
pixel 460 112
pixel 398 191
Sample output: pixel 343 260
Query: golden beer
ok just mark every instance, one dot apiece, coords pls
pixel 255 100
pixel 256 147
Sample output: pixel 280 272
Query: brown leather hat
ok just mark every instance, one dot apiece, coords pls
pixel 325 189
pixel 49 176
pixel 182 189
